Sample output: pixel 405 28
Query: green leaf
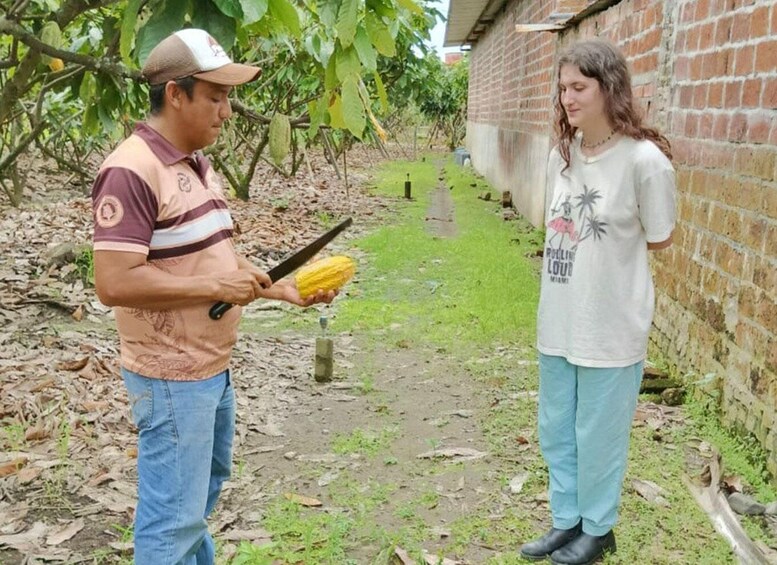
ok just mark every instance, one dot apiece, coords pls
pixel 330 75
pixel 336 119
pixel 287 14
pixel 412 6
pixel 231 8
pixel 163 21
pixel 353 108
pixel 346 21
pixel 128 23
pixel 382 95
pixel 348 65
pixel 327 13
pixel 366 51
pixel 382 9
pixel 205 15
pixel 253 10
pixel 88 87
pixel 317 112
pixel 380 36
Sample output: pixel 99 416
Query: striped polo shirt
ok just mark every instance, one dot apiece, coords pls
pixel 151 198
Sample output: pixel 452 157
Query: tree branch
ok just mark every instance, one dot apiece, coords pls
pixel 98 65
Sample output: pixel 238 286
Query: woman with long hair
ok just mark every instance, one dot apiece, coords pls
pixel 610 198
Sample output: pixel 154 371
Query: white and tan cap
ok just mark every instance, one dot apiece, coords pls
pixel 194 52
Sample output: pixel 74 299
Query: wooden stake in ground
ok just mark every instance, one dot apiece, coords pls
pixel 324 364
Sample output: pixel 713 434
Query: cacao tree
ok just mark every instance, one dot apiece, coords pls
pixel 69 72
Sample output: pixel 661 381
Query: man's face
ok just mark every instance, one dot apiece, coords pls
pixel 203 114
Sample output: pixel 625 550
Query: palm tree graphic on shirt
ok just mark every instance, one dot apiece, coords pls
pixel 563 224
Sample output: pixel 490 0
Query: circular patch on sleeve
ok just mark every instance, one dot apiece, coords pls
pixel 109 212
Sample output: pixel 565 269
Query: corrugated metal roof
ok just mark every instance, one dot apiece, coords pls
pixel 467 19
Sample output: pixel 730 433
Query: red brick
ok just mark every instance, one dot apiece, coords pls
pixel 685 96
pixel 740 31
pixel 715 95
pixel 751 93
pixel 758 128
pixel 770 93
pixel 773 26
pixel 733 94
pixel 771 241
pixel 760 22
pixel 744 60
pixel 766 56
pixel 705 125
pixel 688 13
pixel 691 125
pixel 720 127
pixel 766 314
pixel 702 10
pixel 696 67
pixel 723 30
pixel 769 205
pixel 700 96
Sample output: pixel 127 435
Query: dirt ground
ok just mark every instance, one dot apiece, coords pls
pixel 67 471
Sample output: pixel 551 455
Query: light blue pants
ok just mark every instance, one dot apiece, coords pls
pixel 585 417
pixel 184 457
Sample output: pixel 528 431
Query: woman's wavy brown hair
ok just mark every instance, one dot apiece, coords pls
pixel 602 61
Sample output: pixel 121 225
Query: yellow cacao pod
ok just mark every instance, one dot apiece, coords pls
pixel 326 274
pixel 50 34
pixel 280 138
pixel 56 65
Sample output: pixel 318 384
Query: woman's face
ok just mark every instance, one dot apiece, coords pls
pixel 581 97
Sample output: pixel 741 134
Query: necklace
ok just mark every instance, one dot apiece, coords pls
pixel 594 145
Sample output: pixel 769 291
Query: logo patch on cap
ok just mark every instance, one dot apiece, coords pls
pixel 218 50
pixel 109 212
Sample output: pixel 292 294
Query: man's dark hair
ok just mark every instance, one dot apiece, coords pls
pixel 156 95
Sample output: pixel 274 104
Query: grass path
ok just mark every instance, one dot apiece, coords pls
pixel 467 304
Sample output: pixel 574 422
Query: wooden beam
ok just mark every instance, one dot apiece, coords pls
pixel 525 28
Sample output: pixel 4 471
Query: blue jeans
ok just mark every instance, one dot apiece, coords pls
pixel 585 419
pixel 184 457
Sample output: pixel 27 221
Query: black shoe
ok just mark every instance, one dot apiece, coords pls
pixel 584 549
pixel 550 542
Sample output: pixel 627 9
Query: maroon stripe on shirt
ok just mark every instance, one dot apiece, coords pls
pixel 191 248
pixel 138 202
pixel 192 214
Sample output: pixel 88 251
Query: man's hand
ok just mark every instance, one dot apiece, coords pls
pixel 242 286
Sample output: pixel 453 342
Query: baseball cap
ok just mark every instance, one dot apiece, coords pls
pixel 194 52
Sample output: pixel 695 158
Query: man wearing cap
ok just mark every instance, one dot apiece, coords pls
pixel 163 254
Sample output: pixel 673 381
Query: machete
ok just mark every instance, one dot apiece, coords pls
pixel 289 264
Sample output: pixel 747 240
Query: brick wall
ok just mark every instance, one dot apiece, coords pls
pixel 705 73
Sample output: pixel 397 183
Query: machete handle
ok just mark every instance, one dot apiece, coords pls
pixel 218 310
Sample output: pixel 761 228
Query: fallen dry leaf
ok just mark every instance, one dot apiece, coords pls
pixel 75 365
pixel 12 466
pixel 456 453
pixel 65 533
pixel 36 433
pixel 25 541
pixel 401 557
pixel 78 314
pixel 28 474
pixel 303 500
pixel 651 492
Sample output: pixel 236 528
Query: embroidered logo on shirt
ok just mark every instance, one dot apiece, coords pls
pixel 109 212
pixel 560 258
pixel 184 183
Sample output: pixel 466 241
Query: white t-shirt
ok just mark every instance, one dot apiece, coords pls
pixel 596 300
